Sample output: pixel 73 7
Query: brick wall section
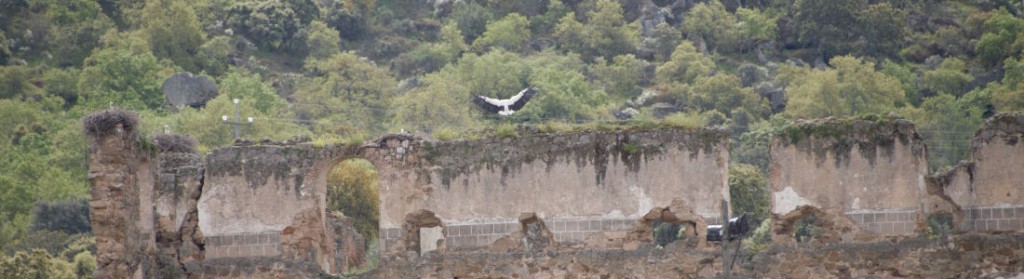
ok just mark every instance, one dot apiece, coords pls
pixel 389 236
pixel 886 223
pixel 244 245
pixel 576 230
pixel 993 219
pixel 476 235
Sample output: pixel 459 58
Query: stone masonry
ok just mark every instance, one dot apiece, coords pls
pixel 579 204
pixel 871 170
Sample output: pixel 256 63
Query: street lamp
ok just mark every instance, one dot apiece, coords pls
pixel 225 118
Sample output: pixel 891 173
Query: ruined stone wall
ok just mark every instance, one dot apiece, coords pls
pixel 872 171
pixel 578 183
pixel 990 188
pixel 122 177
pixel 267 200
pixel 178 187
pixel 963 256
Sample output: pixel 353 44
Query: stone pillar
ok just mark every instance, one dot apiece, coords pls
pixel 121 177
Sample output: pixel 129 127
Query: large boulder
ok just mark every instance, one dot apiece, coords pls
pixel 185 89
pixel 776 95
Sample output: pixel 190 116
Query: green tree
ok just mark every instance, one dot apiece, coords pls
pixel 15 84
pixel 685 66
pixel 1001 32
pixel 440 103
pixel 472 19
pixel 427 58
pixel 173 32
pixel 543 24
pixel 565 95
pixel 711 22
pixel 947 125
pixel 272 23
pixel 948 78
pixel 663 41
pixel 569 32
pixel 754 26
pixel 622 76
pixel 350 94
pixel 62 83
pixel 1009 95
pixel 850 87
pixel 748 191
pixel 84 265
pixel 213 55
pixel 724 93
pixel 510 33
pixel 348 17
pixel 323 42
pixel 257 99
pixel 77 26
pixel 37 265
pixel 606 32
pixel 352 190
pixel 826 25
pixel 67 216
pixel 908 79
pixel 128 80
pixel 882 28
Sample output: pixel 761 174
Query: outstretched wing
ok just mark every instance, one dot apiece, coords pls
pixel 486 104
pixel 519 100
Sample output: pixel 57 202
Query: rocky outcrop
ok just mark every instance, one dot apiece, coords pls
pixel 185 89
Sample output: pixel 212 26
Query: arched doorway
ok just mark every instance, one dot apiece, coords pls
pixel 354 214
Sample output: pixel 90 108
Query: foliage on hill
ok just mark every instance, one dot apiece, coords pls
pixel 362 67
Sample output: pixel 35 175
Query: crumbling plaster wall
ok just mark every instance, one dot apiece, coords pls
pixel 588 181
pixel 859 168
pixel 990 187
pixel 268 200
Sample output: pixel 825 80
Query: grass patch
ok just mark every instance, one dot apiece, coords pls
pixel 556 127
pixel 327 140
pixel 684 120
pixel 507 131
pixel 445 134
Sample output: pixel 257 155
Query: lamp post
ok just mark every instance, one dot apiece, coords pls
pixel 225 118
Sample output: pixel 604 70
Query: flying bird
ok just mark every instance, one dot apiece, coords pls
pixel 505 107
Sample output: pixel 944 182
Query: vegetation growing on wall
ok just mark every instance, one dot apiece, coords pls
pixel 353 68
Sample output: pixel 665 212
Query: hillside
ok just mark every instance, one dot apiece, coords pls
pixel 348 70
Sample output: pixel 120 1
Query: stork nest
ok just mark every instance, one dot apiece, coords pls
pixel 105 123
pixel 173 143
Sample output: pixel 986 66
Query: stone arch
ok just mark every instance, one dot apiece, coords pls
pixel 352 219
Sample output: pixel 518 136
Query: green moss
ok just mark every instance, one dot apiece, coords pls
pixel 839 136
pixel 631 148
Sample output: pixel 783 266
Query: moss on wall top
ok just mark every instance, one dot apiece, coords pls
pixel 838 136
pixel 1008 126
pixel 508 153
pixel 285 162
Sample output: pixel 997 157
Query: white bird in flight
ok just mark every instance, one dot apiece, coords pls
pixel 505 107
